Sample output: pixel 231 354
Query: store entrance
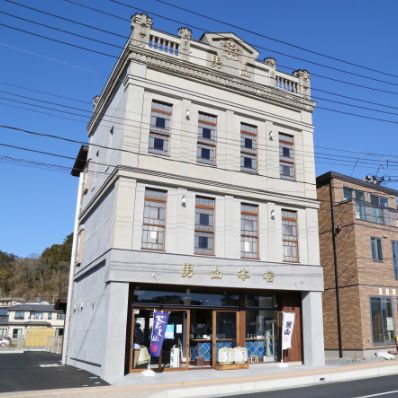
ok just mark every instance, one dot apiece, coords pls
pixel 201 336
pixel 175 349
pixel 204 328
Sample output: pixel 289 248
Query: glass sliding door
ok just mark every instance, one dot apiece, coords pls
pixel 200 338
pixel 175 349
pixel 225 338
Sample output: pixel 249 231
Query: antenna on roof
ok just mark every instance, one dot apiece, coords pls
pixel 376 180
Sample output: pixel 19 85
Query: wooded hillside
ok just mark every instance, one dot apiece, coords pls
pixel 44 278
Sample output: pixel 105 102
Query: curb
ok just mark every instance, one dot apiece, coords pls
pixel 275 384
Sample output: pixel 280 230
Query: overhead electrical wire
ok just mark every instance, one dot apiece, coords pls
pixel 327 108
pixel 188 133
pixel 243 29
pixel 257 46
pixel 66 19
pixel 109 14
pixel 116 57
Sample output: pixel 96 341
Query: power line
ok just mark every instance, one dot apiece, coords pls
pixel 277 40
pixel 335 163
pixel 115 57
pixel 66 19
pixel 63 168
pixel 257 47
pixel 59 41
pixel 189 133
pixel 60 30
pixel 47 58
pixel 288 67
pixel 353 114
pixel 45 92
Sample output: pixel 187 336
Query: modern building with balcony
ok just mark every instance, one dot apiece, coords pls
pixel 196 197
pixel 27 318
pixel 358 227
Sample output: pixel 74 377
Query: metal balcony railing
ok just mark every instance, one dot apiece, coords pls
pixel 378 215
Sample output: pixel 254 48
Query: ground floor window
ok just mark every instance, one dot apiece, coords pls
pixel 382 320
pixel 3 331
pixel 261 335
pixel 16 333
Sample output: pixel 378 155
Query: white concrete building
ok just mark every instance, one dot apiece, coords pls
pixel 197 196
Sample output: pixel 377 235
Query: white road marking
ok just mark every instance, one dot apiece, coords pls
pixel 49 365
pixel 378 394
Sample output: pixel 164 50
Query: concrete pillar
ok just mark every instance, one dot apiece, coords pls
pixel 115 340
pixel 314 354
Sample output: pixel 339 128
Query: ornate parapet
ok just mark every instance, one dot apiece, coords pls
pixel 141 25
pixel 304 82
pixel 185 43
pixel 278 95
pixel 96 100
pixel 271 64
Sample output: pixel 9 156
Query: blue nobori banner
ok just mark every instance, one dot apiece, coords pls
pixel 160 319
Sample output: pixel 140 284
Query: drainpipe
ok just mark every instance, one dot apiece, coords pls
pixel 336 269
pixel 65 340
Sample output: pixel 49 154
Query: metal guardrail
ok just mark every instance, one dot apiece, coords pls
pixel 365 211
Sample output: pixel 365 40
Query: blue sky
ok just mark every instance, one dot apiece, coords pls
pixel 37 205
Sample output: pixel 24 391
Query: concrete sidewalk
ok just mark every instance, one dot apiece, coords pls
pixel 212 383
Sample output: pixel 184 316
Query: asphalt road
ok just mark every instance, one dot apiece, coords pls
pixel 41 370
pixel 383 387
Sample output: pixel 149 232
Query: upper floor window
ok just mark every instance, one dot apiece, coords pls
pixel 378 204
pixel 360 205
pixel 289 236
pixel 36 315
pixel 350 193
pixel 248 147
pixel 286 156
pixel 206 152
pixel 154 223
pixel 19 315
pixel 377 249
pixel 60 316
pixel 249 231
pixel 159 135
pixel 395 258
pixel 378 201
pixel 204 225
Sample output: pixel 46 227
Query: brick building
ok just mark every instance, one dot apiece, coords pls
pixel 359 253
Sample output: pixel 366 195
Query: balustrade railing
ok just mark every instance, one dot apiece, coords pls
pixel 164 45
pixel 286 84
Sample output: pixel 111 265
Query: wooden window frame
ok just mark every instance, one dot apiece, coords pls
pixel 247 152
pixel 163 133
pixel 198 230
pixel 243 235
pixel 210 144
pixel 283 161
pixel 295 220
pixel 153 199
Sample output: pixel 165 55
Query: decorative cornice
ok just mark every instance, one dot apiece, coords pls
pixel 179 67
pixel 176 66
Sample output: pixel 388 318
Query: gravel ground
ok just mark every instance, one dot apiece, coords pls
pixel 349 361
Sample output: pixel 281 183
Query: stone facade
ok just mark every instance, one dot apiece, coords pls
pixel 218 75
pixel 359 276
